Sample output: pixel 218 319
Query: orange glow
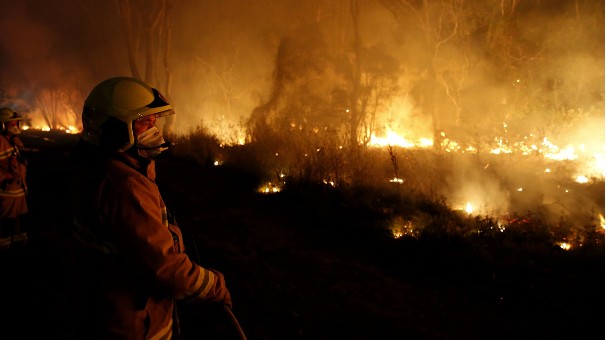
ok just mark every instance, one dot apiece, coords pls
pixel 392 138
pixel 468 209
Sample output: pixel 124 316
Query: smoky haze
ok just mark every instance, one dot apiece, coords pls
pixel 479 72
pixel 223 54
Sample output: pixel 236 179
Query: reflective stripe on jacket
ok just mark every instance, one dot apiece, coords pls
pixel 138 262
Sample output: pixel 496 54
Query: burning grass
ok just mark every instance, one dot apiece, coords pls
pixel 484 199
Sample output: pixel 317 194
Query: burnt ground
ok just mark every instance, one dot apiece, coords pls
pixel 308 265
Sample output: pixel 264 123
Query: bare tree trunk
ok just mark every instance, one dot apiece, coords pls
pixel 168 128
pixel 355 110
pixel 124 9
pixel 152 28
pixel 153 34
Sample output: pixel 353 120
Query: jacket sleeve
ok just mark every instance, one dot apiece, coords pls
pixel 5 152
pixel 137 216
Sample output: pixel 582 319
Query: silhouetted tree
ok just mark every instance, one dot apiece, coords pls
pixel 148 27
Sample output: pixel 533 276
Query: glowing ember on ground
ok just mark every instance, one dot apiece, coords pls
pixel 269 188
pixel 71 130
pixel 403 228
pixel 329 182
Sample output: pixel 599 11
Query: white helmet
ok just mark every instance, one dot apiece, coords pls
pixel 113 105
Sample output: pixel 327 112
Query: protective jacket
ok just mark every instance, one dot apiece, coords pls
pixel 12 178
pixel 133 260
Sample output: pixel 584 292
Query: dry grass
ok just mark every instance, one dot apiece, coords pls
pixel 320 262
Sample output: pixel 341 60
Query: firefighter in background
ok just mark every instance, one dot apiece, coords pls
pixel 13 189
pixel 132 267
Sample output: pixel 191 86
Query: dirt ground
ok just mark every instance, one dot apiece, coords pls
pixel 302 266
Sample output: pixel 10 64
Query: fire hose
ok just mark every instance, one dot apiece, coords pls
pixel 235 322
pixel 240 333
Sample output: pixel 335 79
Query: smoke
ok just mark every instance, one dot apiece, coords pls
pixel 223 53
pixel 519 74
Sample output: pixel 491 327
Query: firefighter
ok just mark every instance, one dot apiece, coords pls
pixel 13 205
pixel 132 264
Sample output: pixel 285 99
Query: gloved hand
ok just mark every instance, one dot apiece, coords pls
pixel 220 293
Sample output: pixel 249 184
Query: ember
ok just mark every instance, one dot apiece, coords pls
pixel 269 188
pixel 564 245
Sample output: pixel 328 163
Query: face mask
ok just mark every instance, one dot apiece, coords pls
pixel 13 130
pixel 150 143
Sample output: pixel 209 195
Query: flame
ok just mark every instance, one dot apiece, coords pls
pixel 426 142
pixel 564 245
pixel 71 130
pixel 403 228
pixel 468 209
pixel 586 161
pixel 556 153
pixel 394 139
pixel 581 179
pixel 591 158
pixel 269 188
pixel 602 221
pixel 329 182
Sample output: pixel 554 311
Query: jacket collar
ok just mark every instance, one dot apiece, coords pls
pixel 144 166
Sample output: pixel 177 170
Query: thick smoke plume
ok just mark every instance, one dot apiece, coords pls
pixel 482 74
